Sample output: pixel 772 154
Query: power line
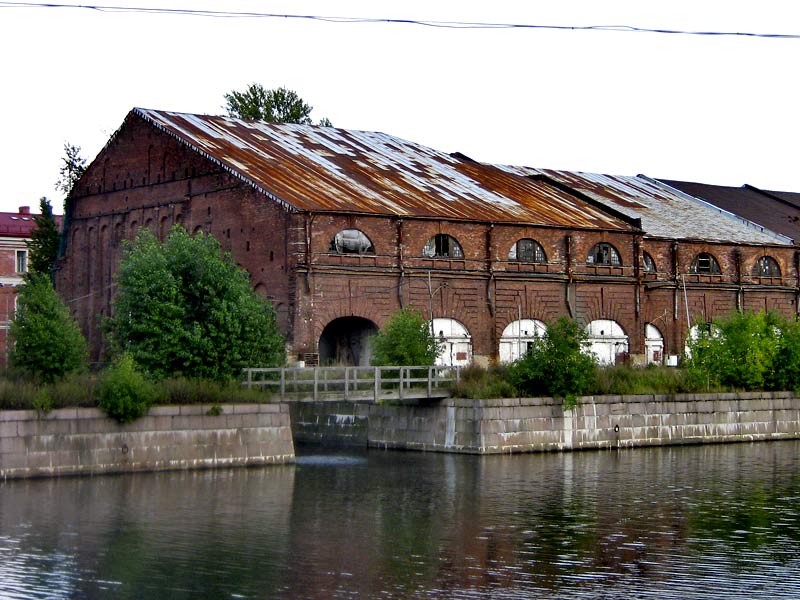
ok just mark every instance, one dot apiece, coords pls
pixel 419 22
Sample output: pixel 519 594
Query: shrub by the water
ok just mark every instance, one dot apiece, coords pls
pixel 406 339
pixel 557 364
pixel 123 392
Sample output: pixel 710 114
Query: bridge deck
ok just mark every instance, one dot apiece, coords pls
pixel 358 384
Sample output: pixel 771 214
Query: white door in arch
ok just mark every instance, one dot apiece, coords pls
pixel 517 337
pixel 607 340
pixel 653 345
pixel 455 343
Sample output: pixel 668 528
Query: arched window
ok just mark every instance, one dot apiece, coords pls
pixel 653 345
pixel 766 266
pixel 607 340
pixel 442 246
pixel 455 342
pixel 604 254
pixel 705 264
pixel 351 241
pixel 648 264
pixel 518 337
pixel 527 250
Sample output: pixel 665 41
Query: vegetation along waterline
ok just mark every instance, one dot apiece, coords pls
pixel 186 323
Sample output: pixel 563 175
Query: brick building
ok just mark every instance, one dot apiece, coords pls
pixel 340 229
pixel 15 232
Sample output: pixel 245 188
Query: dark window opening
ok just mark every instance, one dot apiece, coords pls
pixel 705 264
pixel 766 266
pixel 442 246
pixel 648 264
pixel 527 250
pixel 604 254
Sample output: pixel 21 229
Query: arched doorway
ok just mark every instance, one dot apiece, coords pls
pixel 518 336
pixel 607 340
pixel 346 341
pixel 653 345
pixel 455 343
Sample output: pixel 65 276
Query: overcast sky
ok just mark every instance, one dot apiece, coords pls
pixel 716 109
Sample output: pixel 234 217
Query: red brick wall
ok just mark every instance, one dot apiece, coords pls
pixel 147 179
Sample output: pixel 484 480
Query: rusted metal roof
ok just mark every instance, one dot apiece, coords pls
pixel 309 168
pixel 666 212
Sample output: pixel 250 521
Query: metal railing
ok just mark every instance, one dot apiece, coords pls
pixel 355 383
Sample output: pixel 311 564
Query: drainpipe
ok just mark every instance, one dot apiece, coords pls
pixel 737 255
pixel 400 264
pixel 797 285
pixel 637 270
pixel 308 222
pixel 490 267
pixel 568 258
pixel 675 295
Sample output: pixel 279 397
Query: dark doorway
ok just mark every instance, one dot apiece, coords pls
pixel 345 341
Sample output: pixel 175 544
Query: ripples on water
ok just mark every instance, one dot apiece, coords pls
pixel 683 523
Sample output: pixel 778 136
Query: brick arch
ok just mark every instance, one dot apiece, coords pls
pixel 346 341
pixel 330 313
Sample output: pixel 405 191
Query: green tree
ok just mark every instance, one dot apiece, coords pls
pixel 557 365
pixel 406 339
pixel 46 340
pixel 73 166
pixel 279 105
pixel 740 351
pixel 184 308
pixel 785 374
pixel 43 245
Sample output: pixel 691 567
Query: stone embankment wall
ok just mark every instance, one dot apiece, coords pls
pixel 84 441
pixel 541 424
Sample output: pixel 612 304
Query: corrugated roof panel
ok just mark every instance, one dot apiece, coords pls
pixel 313 168
pixel 665 212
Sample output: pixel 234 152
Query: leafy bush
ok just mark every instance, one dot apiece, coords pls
pixel 558 364
pixel 785 374
pixel 123 392
pixel 183 308
pixel 739 351
pixel 46 341
pixel 406 339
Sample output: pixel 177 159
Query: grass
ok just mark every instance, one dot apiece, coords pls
pixel 80 391
pixel 477 382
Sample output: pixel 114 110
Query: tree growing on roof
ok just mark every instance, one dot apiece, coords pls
pixel 43 244
pixel 279 105
pixel 184 308
pixel 73 166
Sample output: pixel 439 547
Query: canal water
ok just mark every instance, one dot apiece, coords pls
pixel 683 522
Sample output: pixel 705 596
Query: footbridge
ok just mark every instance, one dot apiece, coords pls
pixel 411 384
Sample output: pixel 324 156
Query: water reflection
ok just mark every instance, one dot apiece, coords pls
pixel 662 523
